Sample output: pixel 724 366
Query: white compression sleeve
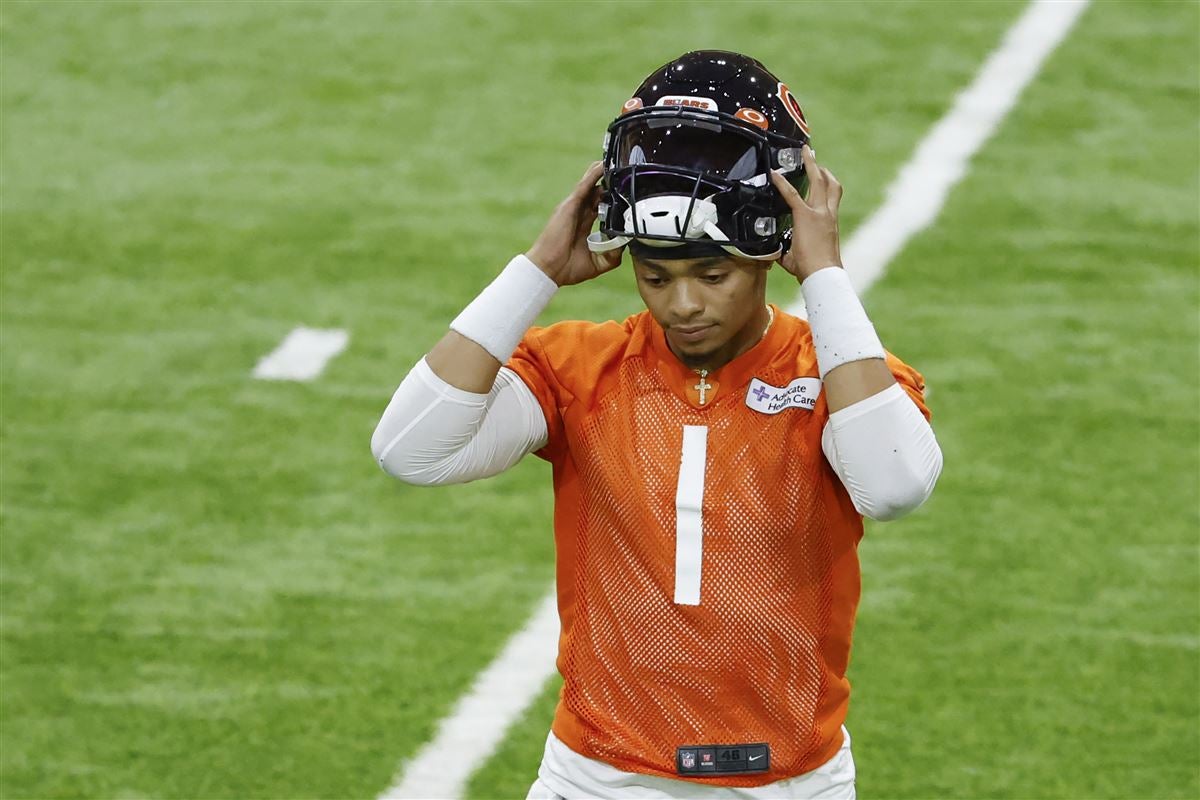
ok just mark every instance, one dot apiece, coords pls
pixel 433 433
pixel 885 452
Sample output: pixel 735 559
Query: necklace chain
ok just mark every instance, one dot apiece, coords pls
pixel 703 386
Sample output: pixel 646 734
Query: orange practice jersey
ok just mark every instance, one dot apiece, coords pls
pixel 772 548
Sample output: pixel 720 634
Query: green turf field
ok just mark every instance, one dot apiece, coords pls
pixel 210 590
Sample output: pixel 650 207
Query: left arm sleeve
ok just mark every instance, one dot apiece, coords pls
pixel 883 448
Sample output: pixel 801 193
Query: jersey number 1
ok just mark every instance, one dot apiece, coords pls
pixel 689 515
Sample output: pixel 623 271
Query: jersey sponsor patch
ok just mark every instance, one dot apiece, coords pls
pixel 722 759
pixel 800 393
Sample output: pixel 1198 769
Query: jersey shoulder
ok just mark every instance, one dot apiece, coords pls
pixel 795 354
pixel 579 355
pixel 569 337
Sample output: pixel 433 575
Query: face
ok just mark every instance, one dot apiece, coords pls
pixel 711 309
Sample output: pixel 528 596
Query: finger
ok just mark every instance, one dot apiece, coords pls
pixel 588 181
pixel 607 261
pixel 586 220
pixel 816 179
pixel 834 198
pixel 591 202
pixel 787 192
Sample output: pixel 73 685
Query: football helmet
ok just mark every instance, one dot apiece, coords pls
pixel 686 162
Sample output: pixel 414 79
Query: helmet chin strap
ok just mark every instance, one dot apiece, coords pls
pixel 597 242
pixel 666 215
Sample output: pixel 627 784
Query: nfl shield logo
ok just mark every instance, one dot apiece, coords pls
pixel 688 759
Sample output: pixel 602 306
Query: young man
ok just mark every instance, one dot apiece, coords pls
pixel 713 456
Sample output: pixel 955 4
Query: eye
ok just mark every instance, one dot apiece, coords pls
pixel 652 280
pixel 713 277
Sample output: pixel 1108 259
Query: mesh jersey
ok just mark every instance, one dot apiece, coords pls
pixel 763 656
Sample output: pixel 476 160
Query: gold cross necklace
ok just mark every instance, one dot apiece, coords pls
pixel 703 386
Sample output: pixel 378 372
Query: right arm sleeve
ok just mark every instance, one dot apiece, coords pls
pixel 433 433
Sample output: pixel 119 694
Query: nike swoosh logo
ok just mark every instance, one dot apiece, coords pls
pixel 756 758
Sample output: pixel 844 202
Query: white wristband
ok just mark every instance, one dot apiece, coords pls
pixel 498 318
pixel 840 328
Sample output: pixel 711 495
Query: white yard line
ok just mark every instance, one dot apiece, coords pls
pixel 477 724
pixel 302 355
pixel 916 196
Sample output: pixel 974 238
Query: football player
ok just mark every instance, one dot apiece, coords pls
pixel 713 456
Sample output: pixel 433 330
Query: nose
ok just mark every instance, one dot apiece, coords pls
pixel 686 300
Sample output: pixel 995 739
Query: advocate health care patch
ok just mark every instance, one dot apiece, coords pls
pixel 800 393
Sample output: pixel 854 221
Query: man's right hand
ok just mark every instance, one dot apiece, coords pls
pixel 561 250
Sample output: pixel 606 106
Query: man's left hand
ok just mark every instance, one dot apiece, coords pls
pixel 815 241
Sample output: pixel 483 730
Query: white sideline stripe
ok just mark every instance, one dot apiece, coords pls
pixel 480 720
pixel 916 196
pixel 302 355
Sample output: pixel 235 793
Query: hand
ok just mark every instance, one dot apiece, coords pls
pixel 815 242
pixel 561 250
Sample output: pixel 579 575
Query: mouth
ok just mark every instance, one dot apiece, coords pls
pixel 691 333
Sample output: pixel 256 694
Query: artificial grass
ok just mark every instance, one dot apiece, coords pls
pixel 209 589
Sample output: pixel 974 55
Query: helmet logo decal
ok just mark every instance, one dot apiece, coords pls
pixel 793 107
pixel 754 117
pixel 632 104
pixel 705 103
